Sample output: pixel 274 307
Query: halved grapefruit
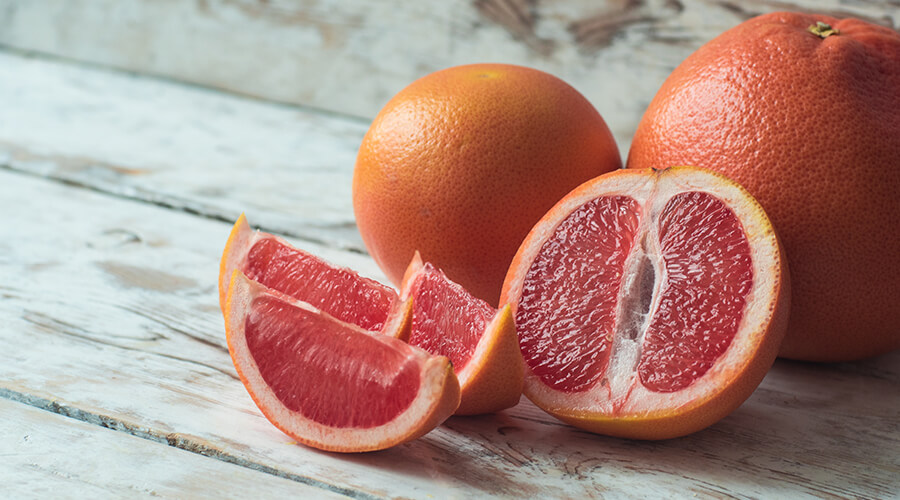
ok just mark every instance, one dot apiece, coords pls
pixel 330 384
pixel 480 341
pixel 649 303
pixel 340 292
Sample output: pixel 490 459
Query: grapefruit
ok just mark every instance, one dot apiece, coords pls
pixel 340 292
pixel 461 163
pixel 802 110
pixel 329 384
pixel 480 341
pixel 649 303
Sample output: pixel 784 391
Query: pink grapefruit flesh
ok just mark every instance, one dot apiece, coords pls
pixel 359 371
pixel 480 341
pixel 330 384
pixel 649 304
pixel 341 292
pixel 446 318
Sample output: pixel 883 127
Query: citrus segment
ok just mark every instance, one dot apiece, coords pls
pixel 276 264
pixel 330 384
pixel 480 341
pixel 359 370
pixel 649 304
pixel 708 277
pixel 566 313
pixel 446 318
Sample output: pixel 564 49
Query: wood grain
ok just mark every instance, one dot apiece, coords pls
pixel 146 356
pixel 46 455
pixel 351 56
pixel 120 191
pixel 180 147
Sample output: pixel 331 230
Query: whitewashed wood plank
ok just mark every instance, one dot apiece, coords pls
pixel 352 55
pixel 187 148
pixel 46 455
pixel 109 313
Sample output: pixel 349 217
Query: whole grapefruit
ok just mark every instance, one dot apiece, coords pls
pixel 463 162
pixel 803 111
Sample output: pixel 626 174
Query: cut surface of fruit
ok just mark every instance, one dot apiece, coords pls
pixel 480 341
pixel 276 264
pixel 649 304
pixel 330 384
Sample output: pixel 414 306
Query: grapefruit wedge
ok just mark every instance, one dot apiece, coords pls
pixel 330 384
pixel 480 341
pixel 340 292
pixel 649 303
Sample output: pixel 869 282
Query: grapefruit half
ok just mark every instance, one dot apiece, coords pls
pixel 480 340
pixel 338 291
pixel 330 384
pixel 649 303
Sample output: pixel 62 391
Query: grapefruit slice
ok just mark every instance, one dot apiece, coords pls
pixel 340 292
pixel 650 303
pixel 330 384
pixel 480 341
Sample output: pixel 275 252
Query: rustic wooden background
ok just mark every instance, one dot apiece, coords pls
pixel 351 56
pixel 125 155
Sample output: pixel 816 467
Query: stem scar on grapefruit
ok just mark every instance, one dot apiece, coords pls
pixel 329 384
pixel 804 112
pixel 340 292
pixel 649 303
pixel 460 164
pixel 480 341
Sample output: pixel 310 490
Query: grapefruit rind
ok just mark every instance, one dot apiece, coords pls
pixel 492 380
pixel 399 320
pixel 645 414
pixel 415 265
pixel 831 186
pixel 241 238
pixel 437 398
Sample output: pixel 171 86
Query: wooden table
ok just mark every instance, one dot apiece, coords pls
pixel 119 192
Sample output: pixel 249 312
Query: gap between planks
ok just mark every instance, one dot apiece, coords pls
pixel 187 84
pixel 134 172
pixel 174 440
pixel 173 203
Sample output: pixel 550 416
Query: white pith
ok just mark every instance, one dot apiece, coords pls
pixel 433 379
pixel 241 241
pixel 619 392
pixel 625 352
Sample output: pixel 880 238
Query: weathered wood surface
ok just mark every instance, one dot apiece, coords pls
pixel 350 56
pixel 46 455
pixel 117 324
pixel 110 316
pixel 198 151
